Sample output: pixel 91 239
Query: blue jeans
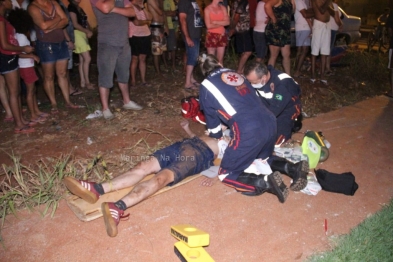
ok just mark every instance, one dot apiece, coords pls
pixel 193 52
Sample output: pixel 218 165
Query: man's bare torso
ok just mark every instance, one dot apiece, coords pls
pixel 157 10
pixel 320 8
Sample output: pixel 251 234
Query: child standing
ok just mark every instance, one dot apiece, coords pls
pixel 22 22
pixel 9 50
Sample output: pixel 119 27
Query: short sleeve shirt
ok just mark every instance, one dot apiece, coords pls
pixel 300 22
pixel 193 17
pixel 244 20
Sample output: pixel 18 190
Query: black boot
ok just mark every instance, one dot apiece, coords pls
pixel 274 185
pixel 298 172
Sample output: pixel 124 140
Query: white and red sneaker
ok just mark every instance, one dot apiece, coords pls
pixel 112 215
pixel 82 189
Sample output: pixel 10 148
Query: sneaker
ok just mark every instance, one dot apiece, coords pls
pixel 112 215
pixel 108 114
pixel 82 189
pixel 132 106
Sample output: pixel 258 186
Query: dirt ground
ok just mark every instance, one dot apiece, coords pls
pixel 241 228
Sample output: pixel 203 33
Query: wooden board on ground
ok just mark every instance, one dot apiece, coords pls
pixel 87 212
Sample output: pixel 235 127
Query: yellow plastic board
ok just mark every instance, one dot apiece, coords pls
pixel 190 235
pixel 191 254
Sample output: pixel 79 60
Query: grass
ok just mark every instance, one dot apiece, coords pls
pixel 372 240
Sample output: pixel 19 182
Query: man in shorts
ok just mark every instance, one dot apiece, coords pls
pixel 173 24
pixel 191 23
pixel 171 165
pixel 159 31
pixel 303 27
pixel 320 42
pixel 113 50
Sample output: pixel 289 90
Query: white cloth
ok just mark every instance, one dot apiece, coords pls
pixel 260 18
pixel 24 62
pixel 24 4
pixel 300 22
pixel 333 25
pixel 320 41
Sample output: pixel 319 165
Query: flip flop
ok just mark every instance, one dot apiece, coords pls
pixel 74 106
pixel 40 120
pixel 24 130
pixel 43 115
pixel 191 88
pixel 196 84
pixel 9 119
pixel 54 111
pixel 145 84
pixel 76 92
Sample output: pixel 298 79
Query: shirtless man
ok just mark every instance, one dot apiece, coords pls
pixel 320 42
pixel 159 31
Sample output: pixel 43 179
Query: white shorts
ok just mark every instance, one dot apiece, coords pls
pixel 320 42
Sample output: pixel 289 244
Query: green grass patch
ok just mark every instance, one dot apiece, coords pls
pixel 372 240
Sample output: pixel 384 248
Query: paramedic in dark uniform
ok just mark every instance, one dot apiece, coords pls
pixel 279 93
pixel 227 98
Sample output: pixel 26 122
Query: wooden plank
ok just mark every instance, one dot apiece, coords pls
pixel 87 212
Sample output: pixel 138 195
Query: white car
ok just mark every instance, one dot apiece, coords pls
pixel 349 34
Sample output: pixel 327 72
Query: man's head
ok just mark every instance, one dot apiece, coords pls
pixel 256 73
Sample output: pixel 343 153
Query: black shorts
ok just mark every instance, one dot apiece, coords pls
pixel 186 158
pixel 140 45
pixel 8 63
pixel 243 42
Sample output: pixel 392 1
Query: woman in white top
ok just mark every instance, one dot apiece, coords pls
pixel 261 20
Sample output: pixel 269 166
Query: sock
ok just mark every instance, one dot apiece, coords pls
pixel 99 189
pixel 120 204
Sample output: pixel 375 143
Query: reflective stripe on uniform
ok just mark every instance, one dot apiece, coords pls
pixel 219 96
pixel 268 95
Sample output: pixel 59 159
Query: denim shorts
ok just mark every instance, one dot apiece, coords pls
pixel 192 52
pixel 8 63
pixel 112 59
pixel 52 52
pixel 186 158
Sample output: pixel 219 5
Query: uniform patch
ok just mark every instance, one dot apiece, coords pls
pixel 232 78
pixel 278 97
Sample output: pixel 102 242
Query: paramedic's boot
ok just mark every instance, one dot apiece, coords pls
pixel 112 215
pixel 298 172
pixel 265 183
pixel 82 189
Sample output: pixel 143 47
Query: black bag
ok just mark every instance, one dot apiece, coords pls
pixel 337 183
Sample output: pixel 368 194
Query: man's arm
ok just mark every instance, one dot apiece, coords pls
pixel 184 29
pixel 108 6
pixel 305 15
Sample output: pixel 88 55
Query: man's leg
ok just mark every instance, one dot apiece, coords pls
pixel 112 212
pixel 90 191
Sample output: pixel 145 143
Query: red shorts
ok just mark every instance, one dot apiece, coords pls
pixel 216 40
pixel 28 75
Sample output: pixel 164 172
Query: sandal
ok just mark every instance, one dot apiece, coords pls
pixel 76 92
pixel 54 111
pixel 196 84
pixel 40 120
pixel 24 130
pixel 74 106
pixel 43 115
pixel 9 119
pixel 146 84
pixel 191 88
pixel 89 86
pixel 312 80
pixel 325 82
